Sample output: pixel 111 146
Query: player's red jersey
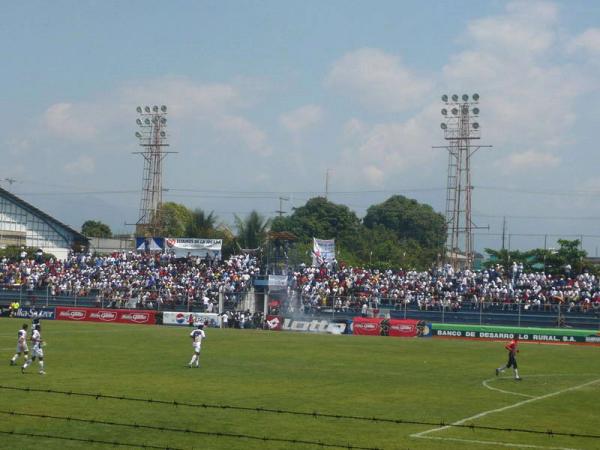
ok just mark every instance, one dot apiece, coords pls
pixel 512 346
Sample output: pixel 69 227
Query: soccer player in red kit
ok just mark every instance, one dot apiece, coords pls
pixel 512 359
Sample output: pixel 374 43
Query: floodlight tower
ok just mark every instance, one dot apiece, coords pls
pixel 152 135
pixel 461 130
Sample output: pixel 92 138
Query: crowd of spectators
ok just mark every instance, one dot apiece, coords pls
pixel 155 280
pixel 132 279
pixel 360 290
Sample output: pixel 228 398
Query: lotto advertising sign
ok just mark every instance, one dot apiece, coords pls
pixel 279 323
pixel 366 326
pixel 106 315
pixel 275 322
pixel 184 318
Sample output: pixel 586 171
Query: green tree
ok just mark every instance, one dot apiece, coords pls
pixel 409 220
pixel 95 228
pixel 320 218
pixel 201 225
pixel 251 231
pixel 176 219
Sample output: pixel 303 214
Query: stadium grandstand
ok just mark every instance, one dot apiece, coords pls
pixel 161 281
pixel 24 225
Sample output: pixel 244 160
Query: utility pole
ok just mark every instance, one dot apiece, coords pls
pixel 280 211
pixel 327 184
pixel 503 230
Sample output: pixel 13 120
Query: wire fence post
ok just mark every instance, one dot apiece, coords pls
pixel 405 307
pixel 480 313
pixel 47 295
pixel 519 315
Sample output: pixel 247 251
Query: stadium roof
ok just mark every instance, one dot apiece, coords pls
pixel 38 212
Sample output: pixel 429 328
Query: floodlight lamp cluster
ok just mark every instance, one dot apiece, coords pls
pixel 150 115
pixel 458 108
pixel 455 98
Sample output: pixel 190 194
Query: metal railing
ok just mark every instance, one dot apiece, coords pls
pixel 550 314
pixel 43 298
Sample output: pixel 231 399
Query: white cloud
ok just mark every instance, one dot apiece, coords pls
pixel 83 165
pixel 528 160
pixel 301 119
pixel 382 151
pixel 254 138
pixel 525 29
pixel 377 79
pixel 68 121
pixel 528 95
pixel 588 41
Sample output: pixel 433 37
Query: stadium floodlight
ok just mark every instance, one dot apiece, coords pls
pixel 443 126
pixel 155 108
pixel 454 98
pixel 454 111
pixel 139 122
pixel 155 119
pixel 475 125
pixel 163 134
pixel 147 109
pixel 163 108
pixel 139 109
pixel 163 120
pixel 465 98
pixel 444 111
pixel 147 121
pixel 475 97
pixel 475 111
pixel 465 110
pixel 138 134
pixel 445 98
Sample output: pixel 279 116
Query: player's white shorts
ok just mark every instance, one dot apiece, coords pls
pixel 22 348
pixel 196 346
pixel 38 352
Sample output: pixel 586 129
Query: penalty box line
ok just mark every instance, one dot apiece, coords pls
pixel 423 434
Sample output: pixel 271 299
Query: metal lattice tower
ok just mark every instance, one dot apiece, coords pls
pixel 152 135
pixel 460 130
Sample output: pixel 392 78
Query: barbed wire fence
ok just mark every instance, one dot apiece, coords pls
pixel 314 414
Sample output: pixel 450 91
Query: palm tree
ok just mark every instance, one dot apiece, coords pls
pixel 252 231
pixel 201 225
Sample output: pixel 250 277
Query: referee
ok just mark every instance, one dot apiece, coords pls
pixel 512 359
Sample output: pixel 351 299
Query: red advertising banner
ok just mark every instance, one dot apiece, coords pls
pixel 405 328
pixel 366 326
pixel 106 315
pixel 274 322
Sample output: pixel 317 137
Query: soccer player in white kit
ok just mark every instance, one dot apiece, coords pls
pixel 37 352
pixel 21 345
pixel 197 336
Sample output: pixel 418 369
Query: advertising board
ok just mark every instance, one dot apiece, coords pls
pixel 141 317
pixel 183 318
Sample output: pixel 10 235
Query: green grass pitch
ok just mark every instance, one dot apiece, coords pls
pixel 423 380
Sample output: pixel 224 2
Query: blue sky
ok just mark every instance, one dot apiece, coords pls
pixel 265 96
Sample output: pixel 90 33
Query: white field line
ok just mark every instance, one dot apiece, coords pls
pixel 485 383
pixel 423 434
pixel 548 375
